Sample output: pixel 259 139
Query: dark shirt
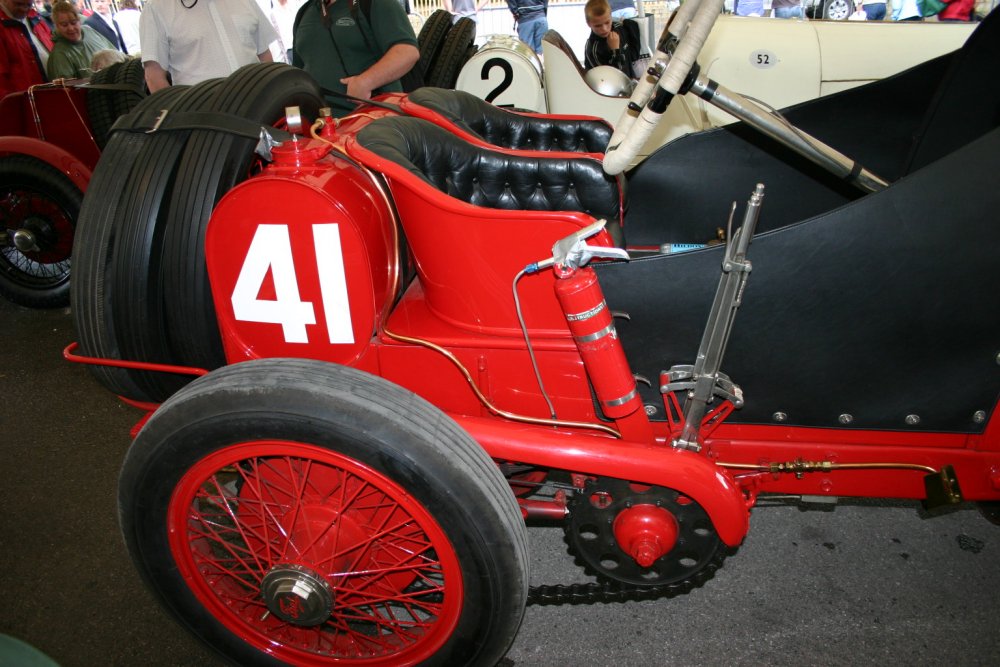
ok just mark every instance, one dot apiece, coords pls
pixel 343 48
pixel 596 51
pixel 523 10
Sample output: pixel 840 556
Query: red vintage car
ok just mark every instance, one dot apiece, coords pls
pixel 411 330
pixel 51 137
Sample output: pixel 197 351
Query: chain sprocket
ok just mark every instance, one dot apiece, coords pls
pixel 693 559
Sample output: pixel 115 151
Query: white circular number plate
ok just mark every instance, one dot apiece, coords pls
pixel 763 59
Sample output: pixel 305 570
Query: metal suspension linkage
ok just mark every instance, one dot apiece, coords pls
pixel 702 381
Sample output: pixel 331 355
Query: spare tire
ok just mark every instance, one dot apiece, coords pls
pixel 104 106
pixel 144 295
pixel 93 250
pixel 454 53
pixel 159 304
pixel 135 281
pixel 212 164
pixel 431 39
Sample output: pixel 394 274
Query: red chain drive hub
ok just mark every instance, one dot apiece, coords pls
pixel 646 533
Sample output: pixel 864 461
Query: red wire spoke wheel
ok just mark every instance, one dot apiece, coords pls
pixel 316 553
pixel 289 511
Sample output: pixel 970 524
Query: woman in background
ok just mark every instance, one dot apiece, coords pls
pixel 74 44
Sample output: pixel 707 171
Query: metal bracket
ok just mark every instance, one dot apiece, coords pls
pixel 681 378
pixel 703 380
pixel 942 488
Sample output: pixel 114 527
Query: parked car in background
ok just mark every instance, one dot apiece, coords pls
pixel 783 62
pixel 51 137
pixel 834 10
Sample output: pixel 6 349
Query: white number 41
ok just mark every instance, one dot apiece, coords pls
pixel 271 250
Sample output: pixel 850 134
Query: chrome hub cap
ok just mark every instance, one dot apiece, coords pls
pixel 297 595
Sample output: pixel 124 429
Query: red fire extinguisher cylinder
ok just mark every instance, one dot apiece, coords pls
pixel 593 329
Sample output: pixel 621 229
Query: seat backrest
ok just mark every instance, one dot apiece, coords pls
pixel 967 102
pixel 474 217
pixel 509 129
pixel 493 178
pixel 556 40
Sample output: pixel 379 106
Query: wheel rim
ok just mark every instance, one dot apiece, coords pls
pixel 39 237
pixel 261 531
pixel 838 10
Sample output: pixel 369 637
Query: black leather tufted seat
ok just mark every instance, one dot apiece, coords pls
pixel 508 129
pixel 493 178
pixel 475 216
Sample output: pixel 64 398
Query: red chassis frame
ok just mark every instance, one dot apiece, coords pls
pixel 304 261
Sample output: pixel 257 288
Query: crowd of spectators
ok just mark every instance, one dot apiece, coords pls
pixel 185 41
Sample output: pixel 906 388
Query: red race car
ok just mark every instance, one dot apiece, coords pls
pixel 371 349
pixel 50 141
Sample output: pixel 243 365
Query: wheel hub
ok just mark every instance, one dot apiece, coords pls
pixel 645 536
pixel 297 594
pixel 646 533
pixel 24 240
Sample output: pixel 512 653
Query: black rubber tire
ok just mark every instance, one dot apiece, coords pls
pixel 211 165
pixel 431 39
pixel 100 105
pixel 290 410
pixel 38 278
pixel 105 106
pixel 135 280
pixel 158 302
pixel 990 511
pixel 454 54
pixel 94 250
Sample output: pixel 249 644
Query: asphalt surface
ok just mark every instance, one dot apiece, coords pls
pixel 864 583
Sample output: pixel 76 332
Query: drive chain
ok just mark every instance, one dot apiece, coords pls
pixel 614 591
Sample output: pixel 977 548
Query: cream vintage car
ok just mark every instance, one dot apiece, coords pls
pixel 782 61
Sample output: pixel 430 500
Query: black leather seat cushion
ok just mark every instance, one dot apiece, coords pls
pixel 494 179
pixel 514 130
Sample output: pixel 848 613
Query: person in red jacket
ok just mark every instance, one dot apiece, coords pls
pixel 957 10
pixel 25 42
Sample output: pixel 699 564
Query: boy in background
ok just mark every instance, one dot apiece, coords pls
pixel 610 42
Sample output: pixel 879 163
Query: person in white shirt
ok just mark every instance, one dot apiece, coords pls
pixel 284 12
pixel 195 40
pixel 127 18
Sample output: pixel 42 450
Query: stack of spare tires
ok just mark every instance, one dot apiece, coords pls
pixel 445 48
pixel 140 288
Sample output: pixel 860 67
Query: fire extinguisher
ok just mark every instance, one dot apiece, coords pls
pixel 593 329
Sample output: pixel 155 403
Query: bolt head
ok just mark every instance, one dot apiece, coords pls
pixel 645 554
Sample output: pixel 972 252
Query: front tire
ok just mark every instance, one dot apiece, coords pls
pixel 293 511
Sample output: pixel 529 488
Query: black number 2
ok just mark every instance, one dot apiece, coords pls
pixel 508 76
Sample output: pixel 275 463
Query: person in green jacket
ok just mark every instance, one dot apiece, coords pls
pixel 74 44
